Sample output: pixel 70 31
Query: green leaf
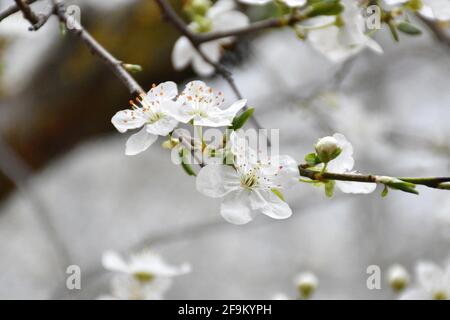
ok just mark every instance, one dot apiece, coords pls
pixel 241 119
pixel 324 8
pixel 408 28
pixel 398 184
pixel 385 192
pixel 312 159
pixel 329 188
pixel 186 166
pixel 278 194
pixel 393 29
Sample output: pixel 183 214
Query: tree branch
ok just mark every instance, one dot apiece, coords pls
pixel 13 9
pixel 97 49
pixel 438 32
pixel 431 182
pixel 27 12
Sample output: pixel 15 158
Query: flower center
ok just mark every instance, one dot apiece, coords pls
pixel 440 295
pixel 154 117
pixel 250 180
pixel 143 277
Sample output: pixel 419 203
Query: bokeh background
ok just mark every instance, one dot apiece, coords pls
pixel 68 192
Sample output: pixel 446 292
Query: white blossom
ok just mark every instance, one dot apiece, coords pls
pixel 306 283
pixel 201 105
pixel 145 276
pixel 340 42
pixel 289 3
pixel 280 296
pixel 433 283
pixel 150 114
pixel 398 277
pixel 344 164
pixel 247 187
pixel 220 17
pixel 432 9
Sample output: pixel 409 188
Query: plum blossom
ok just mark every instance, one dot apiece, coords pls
pixel 220 17
pixel 306 283
pixel 251 185
pixel 432 9
pixel 201 105
pixel 289 3
pixel 344 163
pixel 398 277
pixel 340 41
pixel 148 113
pixel 144 277
pixel 433 283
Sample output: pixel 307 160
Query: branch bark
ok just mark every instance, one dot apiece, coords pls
pixel 13 9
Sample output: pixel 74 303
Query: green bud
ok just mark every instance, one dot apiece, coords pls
pixel 329 188
pixel 197 7
pixel 306 283
pixel 408 28
pixel 414 5
pixel 143 277
pixel 170 143
pixel 133 68
pixel 398 184
pixel 203 24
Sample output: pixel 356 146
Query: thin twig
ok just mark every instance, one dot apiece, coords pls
pixel 97 49
pixel 13 9
pixel 27 12
pixel 440 34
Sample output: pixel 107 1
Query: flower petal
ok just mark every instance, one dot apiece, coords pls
pixel 235 207
pixel 163 126
pixel 139 142
pixel 270 204
pixel 216 180
pixel 182 53
pixel 344 162
pixel 113 261
pixel 415 294
pixel 127 119
pixel 212 50
pixel 177 110
pixel 429 275
pixel 166 90
pixel 356 187
pixel 228 21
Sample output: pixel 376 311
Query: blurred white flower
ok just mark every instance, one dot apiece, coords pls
pixel 306 283
pixel 443 218
pixel 145 276
pixel 280 296
pixel 344 164
pixel 432 9
pixel 250 186
pixel 398 277
pixel 340 41
pixel 220 17
pixel 151 115
pixel 433 282
pixel 289 3
pixel 198 103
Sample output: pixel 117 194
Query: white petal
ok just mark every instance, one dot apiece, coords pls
pixel 415 294
pixel 294 3
pixel 182 53
pixel 270 204
pixel 429 275
pixel 285 170
pixel 178 111
pixel 436 9
pixel 229 21
pixel 356 187
pixel 139 142
pixel 256 2
pixel 163 126
pixel 344 162
pixel 232 110
pixel 216 180
pixel 235 207
pixel 165 90
pixel 128 119
pixel 212 51
pixel 150 262
pixel 113 261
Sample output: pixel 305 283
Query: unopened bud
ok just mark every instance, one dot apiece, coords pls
pixel 133 68
pixel 398 277
pixel 327 149
pixel 197 7
pixel 306 283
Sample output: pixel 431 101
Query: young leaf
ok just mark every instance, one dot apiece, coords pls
pixel 312 159
pixel 329 188
pixel 408 28
pixel 278 194
pixel 186 166
pixel 240 120
pixel 324 8
pixel 385 192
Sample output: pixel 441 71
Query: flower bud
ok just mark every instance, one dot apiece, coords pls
pixel 327 149
pixel 398 277
pixel 197 7
pixel 133 68
pixel 306 283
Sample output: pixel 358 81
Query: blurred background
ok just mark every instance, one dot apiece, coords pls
pixel 68 192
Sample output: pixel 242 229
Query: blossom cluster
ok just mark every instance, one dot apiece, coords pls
pixel 337 29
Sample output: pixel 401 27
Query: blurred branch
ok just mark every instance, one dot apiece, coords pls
pixel 196 40
pixel 96 48
pixel 13 9
pixel 27 12
pixel 440 34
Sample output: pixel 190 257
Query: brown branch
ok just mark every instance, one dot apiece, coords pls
pixel 27 12
pixel 97 49
pixel 13 9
